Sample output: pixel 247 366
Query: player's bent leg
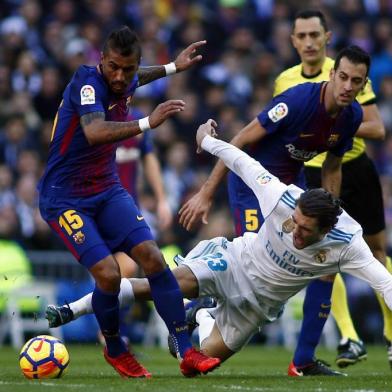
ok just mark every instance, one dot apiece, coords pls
pixel 215 346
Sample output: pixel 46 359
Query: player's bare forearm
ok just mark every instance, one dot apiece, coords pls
pixel 331 177
pixel 98 131
pixel 372 126
pixel 149 74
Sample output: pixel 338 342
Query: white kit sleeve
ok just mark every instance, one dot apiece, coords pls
pixel 359 261
pixel 267 188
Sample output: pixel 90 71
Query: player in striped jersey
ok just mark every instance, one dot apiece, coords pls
pixel 310 38
pixel 81 197
pixel 306 234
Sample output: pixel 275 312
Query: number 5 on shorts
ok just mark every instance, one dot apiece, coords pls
pixel 70 221
pixel 251 220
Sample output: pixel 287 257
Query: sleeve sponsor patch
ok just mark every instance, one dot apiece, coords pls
pixel 87 95
pixel 278 112
pixel 264 178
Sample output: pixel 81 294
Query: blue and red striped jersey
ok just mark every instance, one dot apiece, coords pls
pixel 74 167
pixel 298 128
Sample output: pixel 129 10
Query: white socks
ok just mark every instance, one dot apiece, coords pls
pixel 83 305
pixel 206 323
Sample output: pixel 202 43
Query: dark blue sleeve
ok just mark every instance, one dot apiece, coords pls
pixel 88 93
pixel 280 112
pixel 353 118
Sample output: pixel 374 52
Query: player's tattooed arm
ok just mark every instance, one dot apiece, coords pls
pixel 148 74
pixel 98 131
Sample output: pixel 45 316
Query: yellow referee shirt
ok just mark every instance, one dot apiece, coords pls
pixel 293 76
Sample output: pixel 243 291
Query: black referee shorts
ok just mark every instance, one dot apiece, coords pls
pixel 361 192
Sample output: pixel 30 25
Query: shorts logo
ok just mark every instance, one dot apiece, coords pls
pixel 139 218
pixel 288 226
pixel 321 256
pixel 87 95
pixel 264 179
pixel 79 237
pixel 333 139
pixel 278 112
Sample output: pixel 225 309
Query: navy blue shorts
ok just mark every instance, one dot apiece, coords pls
pixel 96 226
pixel 246 212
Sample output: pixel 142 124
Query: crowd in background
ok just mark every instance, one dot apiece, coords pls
pixel 44 41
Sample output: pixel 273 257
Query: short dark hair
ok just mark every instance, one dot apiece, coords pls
pixel 307 14
pixel 355 55
pixel 320 204
pixel 124 41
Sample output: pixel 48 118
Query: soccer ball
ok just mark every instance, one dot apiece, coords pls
pixel 43 357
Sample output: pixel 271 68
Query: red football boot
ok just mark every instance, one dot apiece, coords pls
pixel 195 362
pixel 127 365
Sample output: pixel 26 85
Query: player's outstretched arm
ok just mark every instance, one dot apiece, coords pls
pixel 198 206
pixel 264 185
pixel 98 131
pixel 186 59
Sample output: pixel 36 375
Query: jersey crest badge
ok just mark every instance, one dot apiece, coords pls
pixel 79 237
pixel 288 226
pixel 321 256
pixel 278 112
pixel 263 179
pixel 333 139
pixel 87 95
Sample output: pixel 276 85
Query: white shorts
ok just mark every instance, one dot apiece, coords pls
pixel 239 313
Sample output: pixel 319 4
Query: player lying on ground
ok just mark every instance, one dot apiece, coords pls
pixel 306 235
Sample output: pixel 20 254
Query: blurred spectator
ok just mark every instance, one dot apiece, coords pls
pixel 14 140
pixel 177 174
pixel 48 99
pixel 7 195
pixel 26 204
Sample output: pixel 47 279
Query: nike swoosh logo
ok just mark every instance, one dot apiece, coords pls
pixel 324 306
pixel 112 106
pixel 139 218
pixel 306 134
pixel 38 348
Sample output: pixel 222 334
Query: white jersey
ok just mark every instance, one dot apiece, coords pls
pixel 276 269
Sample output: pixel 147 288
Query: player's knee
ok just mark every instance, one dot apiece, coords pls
pixel 107 275
pixel 149 257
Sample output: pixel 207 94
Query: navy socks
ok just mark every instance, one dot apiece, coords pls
pixel 316 308
pixel 169 303
pixel 106 309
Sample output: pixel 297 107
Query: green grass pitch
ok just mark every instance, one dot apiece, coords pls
pixel 256 368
